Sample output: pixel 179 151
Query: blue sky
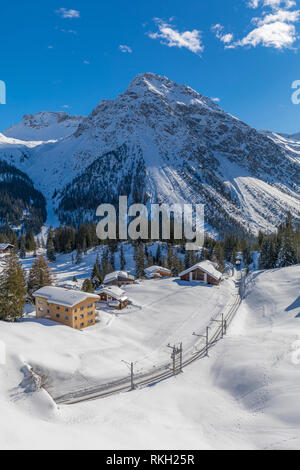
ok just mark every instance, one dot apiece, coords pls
pixel 59 55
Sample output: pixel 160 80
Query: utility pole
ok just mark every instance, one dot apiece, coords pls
pixel 206 337
pixel 180 355
pixel 177 352
pixel 222 322
pixel 131 366
pixel 131 376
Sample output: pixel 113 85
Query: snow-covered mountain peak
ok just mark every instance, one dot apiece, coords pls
pixel 150 102
pixel 149 85
pixel 160 142
pixel 44 126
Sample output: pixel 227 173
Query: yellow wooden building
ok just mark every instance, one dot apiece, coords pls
pixel 69 307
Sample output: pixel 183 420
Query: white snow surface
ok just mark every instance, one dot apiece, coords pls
pixel 44 126
pixel 155 269
pixel 244 396
pixel 66 297
pixel 115 275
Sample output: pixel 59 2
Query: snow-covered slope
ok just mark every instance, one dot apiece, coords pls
pixel 291 143
pixel 245 395
pixel 44 126
pixel 164 142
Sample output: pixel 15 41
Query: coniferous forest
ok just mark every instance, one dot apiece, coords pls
pixel 280 249
pixel 21 205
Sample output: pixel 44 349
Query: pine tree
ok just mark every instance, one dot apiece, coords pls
pixel 30 244
pixel 149 260
pixel 87 286
pixel 12 289
pixel 78 256
pixel 112 260
pixel 158 259
pixel 140 261
pixel 170 256
pixel 218 254
pixel 51 251
pixel 268 254
pixel 287 255
pixel 98 263
pixel 50 246
pixel 122 259
pixel 96 276
pixel 39 276
pixel 186 260
pixel 22 247
pixel 175 265
pixel 105 265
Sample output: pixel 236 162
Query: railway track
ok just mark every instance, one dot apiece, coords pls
pixel 161 373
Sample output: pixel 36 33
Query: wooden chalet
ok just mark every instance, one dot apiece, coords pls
pixel 205 271
pixel 118 278
pixel 114 296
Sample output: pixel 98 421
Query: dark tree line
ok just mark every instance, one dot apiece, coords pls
pixel 20 203
pixel 281 249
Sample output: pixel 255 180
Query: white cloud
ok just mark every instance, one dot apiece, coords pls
pixel 216 100
pixel 86 62
pixel 64 13
pixel 171 37
pixel 272 3
pixel 279 35
pixel 65 106
pixel 282 16
pixel 125 49
pixel 218 29
pixel 227 38
pixel 275 29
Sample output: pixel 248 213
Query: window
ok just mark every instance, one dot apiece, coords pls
pixel 57 315
pixel 48 311
pixel 90 306
pixel 75 310
pixel 90 321
pixel 66 309
pixel 75 318
pixel 82 308
pixel 81 316
pixel 90 313
pixel 81 324
pixel 66 317
pixel 57 307
pixel 41 309
pixel 40 301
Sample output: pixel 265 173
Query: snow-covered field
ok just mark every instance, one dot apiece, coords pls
pixel 162 311
pixel 245 395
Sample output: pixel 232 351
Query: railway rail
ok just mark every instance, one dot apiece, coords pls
pixel 164 371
